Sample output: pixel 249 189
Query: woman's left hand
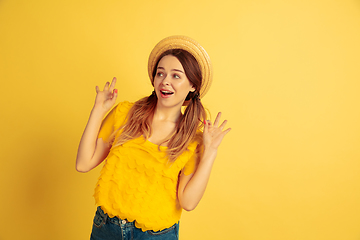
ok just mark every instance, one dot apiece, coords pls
pixel 213 133
pixel 191 187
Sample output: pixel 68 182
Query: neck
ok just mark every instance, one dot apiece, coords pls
pixel 167 114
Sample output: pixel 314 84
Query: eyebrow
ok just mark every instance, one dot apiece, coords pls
pixel 177 70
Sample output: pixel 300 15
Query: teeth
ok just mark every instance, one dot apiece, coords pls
pixel 168 92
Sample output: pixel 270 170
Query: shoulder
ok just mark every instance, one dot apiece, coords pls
pixel 124 106
pixel 121 111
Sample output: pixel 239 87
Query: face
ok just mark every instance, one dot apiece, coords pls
pixel 170 82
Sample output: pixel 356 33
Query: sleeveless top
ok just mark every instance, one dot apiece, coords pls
pixel 137 181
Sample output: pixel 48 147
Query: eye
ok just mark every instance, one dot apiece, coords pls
pixel 159 74
pixel 176 76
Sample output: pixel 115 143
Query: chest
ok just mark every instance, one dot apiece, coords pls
pixel 161 131
pixel 143 159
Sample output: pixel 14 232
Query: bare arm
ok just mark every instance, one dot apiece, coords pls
pixel 93 151
pixel 192 187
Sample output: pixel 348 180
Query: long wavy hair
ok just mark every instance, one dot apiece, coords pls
pixel 186 130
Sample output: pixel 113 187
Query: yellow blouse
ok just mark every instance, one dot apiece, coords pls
pixel 137 182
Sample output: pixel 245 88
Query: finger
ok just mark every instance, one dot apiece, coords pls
pixel 226 131
pixel 222 125
pixel 115 94
pixel 112 86
pixel 217 119
pixel 106 87
pixel 205 126
pixel 208 123
pixel 97 89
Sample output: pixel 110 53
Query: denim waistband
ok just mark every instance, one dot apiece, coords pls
pixel 115 220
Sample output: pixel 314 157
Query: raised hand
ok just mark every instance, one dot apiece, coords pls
pixel 106 98
pixel 213 133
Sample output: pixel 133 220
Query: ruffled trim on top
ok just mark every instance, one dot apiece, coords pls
pixel 138 183
pixel 114 120
pixel 121 113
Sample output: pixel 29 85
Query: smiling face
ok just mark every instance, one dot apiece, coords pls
pixel 171 83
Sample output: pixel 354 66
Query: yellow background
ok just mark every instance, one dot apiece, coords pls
pixel 286 76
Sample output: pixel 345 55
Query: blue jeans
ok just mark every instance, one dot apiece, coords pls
pixel 106 228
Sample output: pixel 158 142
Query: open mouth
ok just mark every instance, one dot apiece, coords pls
pixel 166 93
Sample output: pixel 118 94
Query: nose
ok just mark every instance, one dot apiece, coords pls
pixel 166 80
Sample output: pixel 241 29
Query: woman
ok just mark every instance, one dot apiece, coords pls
pixel 158 161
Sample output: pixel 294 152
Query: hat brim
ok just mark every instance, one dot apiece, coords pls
pixel 191 46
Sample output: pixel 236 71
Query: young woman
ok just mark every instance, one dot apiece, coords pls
pixel 158 157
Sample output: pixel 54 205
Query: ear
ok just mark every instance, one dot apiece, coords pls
pixel 192 89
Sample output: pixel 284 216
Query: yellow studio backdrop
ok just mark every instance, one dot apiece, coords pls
pixel 286 76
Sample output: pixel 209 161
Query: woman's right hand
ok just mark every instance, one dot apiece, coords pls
pixel 93 150
pixel 106 98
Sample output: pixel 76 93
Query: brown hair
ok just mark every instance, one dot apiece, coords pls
pixel 188 124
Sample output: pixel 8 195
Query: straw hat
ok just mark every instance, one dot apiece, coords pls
pixel 187 44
